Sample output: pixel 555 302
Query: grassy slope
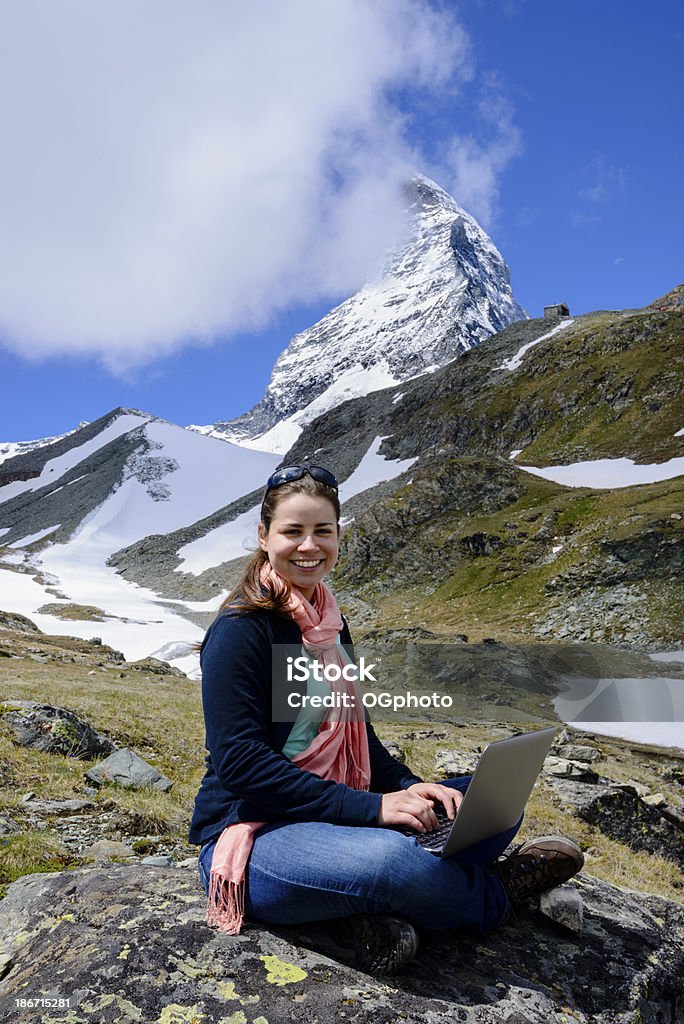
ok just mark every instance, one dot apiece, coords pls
pixel 502 594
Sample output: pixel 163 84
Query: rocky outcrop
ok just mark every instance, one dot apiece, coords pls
pixel 129 944
pixel 54 730
pixel 619 812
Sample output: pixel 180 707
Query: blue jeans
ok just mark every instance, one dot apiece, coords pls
pixel 311 871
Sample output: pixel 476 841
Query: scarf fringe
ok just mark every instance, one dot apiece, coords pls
pixel 226 904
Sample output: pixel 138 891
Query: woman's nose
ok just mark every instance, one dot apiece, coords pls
pixel 308 544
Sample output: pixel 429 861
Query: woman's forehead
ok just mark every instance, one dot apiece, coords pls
pixel 305 507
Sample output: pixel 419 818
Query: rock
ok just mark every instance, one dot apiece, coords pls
pixel 159 861
pixel 450 763
pixel 127 769
pixel 61 807
pixel 155 667
pixel 188 862
pixel 7 826
pixel 655 800
pixel 564 768
pixel 673 814
pixel 105 849
pixel 130 944
pixel 564 906
pixel 53 729
pixel 13 620
pixel 621 814
pixel 578 752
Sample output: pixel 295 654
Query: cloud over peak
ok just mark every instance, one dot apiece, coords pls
pixel 178 172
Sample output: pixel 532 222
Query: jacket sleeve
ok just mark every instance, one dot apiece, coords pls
pixel 236 698
pixel 387 774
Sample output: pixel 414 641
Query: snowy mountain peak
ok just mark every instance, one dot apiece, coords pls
pixel 444 290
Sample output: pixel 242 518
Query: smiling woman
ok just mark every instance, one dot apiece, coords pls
pixel 297 821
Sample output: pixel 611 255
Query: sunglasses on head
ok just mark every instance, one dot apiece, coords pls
pixel 291 473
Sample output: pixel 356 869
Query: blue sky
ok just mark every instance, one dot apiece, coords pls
pixel 168 229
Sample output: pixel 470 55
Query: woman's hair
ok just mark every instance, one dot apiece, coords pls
pixel 249 593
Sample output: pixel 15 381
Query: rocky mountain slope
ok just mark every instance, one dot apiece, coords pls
pixel 466 538
pixel 441 293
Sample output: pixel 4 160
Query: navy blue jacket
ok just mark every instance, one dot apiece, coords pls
pixel 248 778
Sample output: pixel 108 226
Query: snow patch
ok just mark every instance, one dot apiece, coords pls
pixel 34 537
pixel 398 398
pixel 230 540
pixel 514 362
pixel 658 734
pixel 607 474
pixel 679 433
pixel 515 453
pixel 373 469
pixel 668 656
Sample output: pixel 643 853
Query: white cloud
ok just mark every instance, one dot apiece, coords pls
pixel 605 180
pixel 476 163
pixel 177 171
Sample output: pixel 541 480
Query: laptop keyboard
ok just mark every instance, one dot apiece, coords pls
pixel 432 842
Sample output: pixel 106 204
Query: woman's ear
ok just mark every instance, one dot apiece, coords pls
pixel 262 537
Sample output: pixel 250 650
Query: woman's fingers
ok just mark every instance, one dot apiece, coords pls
pixel 404 808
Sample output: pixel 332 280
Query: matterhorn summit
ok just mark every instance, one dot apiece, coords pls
pixel 444 290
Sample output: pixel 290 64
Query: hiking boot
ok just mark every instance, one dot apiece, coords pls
pixel 538 865
pixel 375 943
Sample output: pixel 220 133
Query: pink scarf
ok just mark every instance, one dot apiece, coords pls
pixel 339 751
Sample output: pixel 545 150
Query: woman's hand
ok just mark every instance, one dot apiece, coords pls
pixel 433 791
pixel 408 808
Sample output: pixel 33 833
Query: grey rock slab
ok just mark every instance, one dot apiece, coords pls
pixel 127 769
pixel 132 944
pixel 578 752
pixel 54 730
pixel 565 768
pixel 450 763
pixel 61 807
pixel 564 905
pixel 105 849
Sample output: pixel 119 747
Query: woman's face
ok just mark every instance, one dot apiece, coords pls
pixel 302 543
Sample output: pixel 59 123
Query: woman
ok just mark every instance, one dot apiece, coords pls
pixel 297 820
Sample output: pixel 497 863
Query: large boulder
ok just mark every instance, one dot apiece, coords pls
pixel 129 943
pixel 54 730
pixel 623 815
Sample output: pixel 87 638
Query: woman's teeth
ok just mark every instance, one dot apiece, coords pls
pixel 308 565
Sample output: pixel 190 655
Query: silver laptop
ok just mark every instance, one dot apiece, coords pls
pixel 497 794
